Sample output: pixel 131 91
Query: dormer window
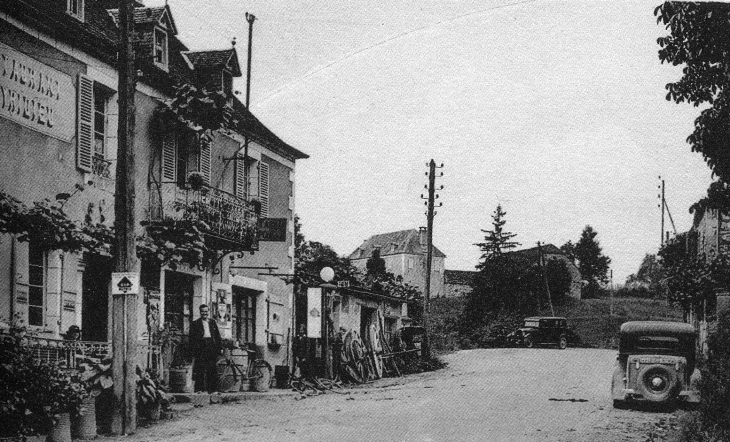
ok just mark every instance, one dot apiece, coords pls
pixel 75 8
pixel 227 83
pixel 160 48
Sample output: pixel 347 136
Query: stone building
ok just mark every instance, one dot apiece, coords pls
pixel 58 117
pixel 404 256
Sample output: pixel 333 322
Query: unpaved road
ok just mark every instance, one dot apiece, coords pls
pixel 484 395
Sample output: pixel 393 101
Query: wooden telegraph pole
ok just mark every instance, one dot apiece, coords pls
pixel 124 294
pixel 426 347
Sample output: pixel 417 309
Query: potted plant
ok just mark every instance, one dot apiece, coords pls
pixel 96 375
pixel 196 180
pixel 36 398
pixel 151 396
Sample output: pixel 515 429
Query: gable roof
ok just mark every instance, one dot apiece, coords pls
pixel 205 60
pixel 144 15
pixel 533 252
pixel 460 277
pixel 393 243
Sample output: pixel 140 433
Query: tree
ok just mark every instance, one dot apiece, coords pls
pixel 593 265
pixel 375 265
pixel 569 250
pixel 496 241
pixel 698 40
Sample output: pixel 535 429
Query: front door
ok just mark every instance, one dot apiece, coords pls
pixel 95 298
pixel 179 307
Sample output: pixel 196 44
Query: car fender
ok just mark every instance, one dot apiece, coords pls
pixel 618 384
pixel 694 380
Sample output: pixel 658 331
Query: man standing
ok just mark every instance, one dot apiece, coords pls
pixel 205 342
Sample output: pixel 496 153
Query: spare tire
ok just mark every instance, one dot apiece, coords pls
pixel 657 383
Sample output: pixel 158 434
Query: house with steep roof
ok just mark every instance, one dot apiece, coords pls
pixel 404 253
pixel 58 117
pixel 551 252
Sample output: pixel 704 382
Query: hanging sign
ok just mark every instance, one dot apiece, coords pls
pixel 125 283
pixel 314 312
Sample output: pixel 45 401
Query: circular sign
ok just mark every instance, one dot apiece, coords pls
pixel 327 274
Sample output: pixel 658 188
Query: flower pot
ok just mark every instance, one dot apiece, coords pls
pixel 83 425
pixel 61 431
pixel 181 379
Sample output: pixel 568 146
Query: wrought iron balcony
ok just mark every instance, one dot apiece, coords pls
pixel 229 222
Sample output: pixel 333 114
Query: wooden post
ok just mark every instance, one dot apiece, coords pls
pixel 124 307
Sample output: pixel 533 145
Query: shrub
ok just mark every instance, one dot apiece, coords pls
pixel 711 422
pixel 32 393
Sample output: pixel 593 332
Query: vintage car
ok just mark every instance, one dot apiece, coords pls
pixel 539 330
pixel 655 364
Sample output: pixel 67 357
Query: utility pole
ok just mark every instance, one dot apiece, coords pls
pixel 663 205
pixel 544 275
pixel 426 347
pixel 250 18
pixel 124 306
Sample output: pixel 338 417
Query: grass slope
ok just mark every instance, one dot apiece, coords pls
pixel 591 319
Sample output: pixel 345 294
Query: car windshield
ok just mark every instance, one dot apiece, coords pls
pixel 532 323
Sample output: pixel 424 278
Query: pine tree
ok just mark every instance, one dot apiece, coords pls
pixel 496 241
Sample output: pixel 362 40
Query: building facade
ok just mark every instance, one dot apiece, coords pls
pixel 58 117
pixel 404 256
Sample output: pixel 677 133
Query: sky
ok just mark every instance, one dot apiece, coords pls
pixel 554 109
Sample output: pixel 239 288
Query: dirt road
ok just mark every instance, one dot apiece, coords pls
pixel 541 395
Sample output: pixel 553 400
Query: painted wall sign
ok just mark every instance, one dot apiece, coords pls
pixel 69 305
pixel 36 96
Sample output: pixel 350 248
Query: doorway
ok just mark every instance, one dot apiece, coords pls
pixel 243 316
pixel 95 298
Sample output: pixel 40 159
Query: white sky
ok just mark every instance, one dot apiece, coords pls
pixel 554 109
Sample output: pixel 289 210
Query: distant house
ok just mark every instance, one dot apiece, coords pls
pixel 551 252
pixel 458 283
pixel 404 256
pixel 710 233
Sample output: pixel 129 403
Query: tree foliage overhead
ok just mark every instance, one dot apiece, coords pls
pixel 699 39
pixel 496 241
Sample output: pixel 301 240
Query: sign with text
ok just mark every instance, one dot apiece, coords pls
pixel 314 312
pixel 125 283
pixel 272 229
pixel 36 96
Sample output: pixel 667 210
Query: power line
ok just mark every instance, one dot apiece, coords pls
pixel 383 42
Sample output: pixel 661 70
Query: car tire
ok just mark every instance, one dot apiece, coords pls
pixel 529 343
pixel 666 387
pixel 620 405
pixel 563 343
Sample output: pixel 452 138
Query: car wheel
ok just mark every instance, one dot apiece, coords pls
pixel 657 383
pixel 529 343
pixel 563 343
pixel 620 405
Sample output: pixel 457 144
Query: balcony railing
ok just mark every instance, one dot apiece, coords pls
pixel 224 217
pixel 67 354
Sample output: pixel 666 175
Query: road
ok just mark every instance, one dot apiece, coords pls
pixel 545 395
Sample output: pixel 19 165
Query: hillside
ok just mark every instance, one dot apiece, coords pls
pixel 590 318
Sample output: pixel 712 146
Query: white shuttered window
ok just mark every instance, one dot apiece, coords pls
pixel 169 158
pixel 205 160
pixel 264 189
pixel 85 130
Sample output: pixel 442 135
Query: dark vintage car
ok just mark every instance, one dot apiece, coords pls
pixel 655 364
pixel 543 330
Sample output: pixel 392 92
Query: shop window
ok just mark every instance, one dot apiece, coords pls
pixel 244 315
pixel 36 284
pixel 179 300
pixel 75 8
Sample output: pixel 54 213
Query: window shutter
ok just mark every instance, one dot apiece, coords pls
pixel 85 131
pixel 240 177
pixel 264 189
pixel 20 300
pixel 204 162
pixel 169 157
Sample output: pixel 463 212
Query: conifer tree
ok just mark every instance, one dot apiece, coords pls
pixel 496 241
